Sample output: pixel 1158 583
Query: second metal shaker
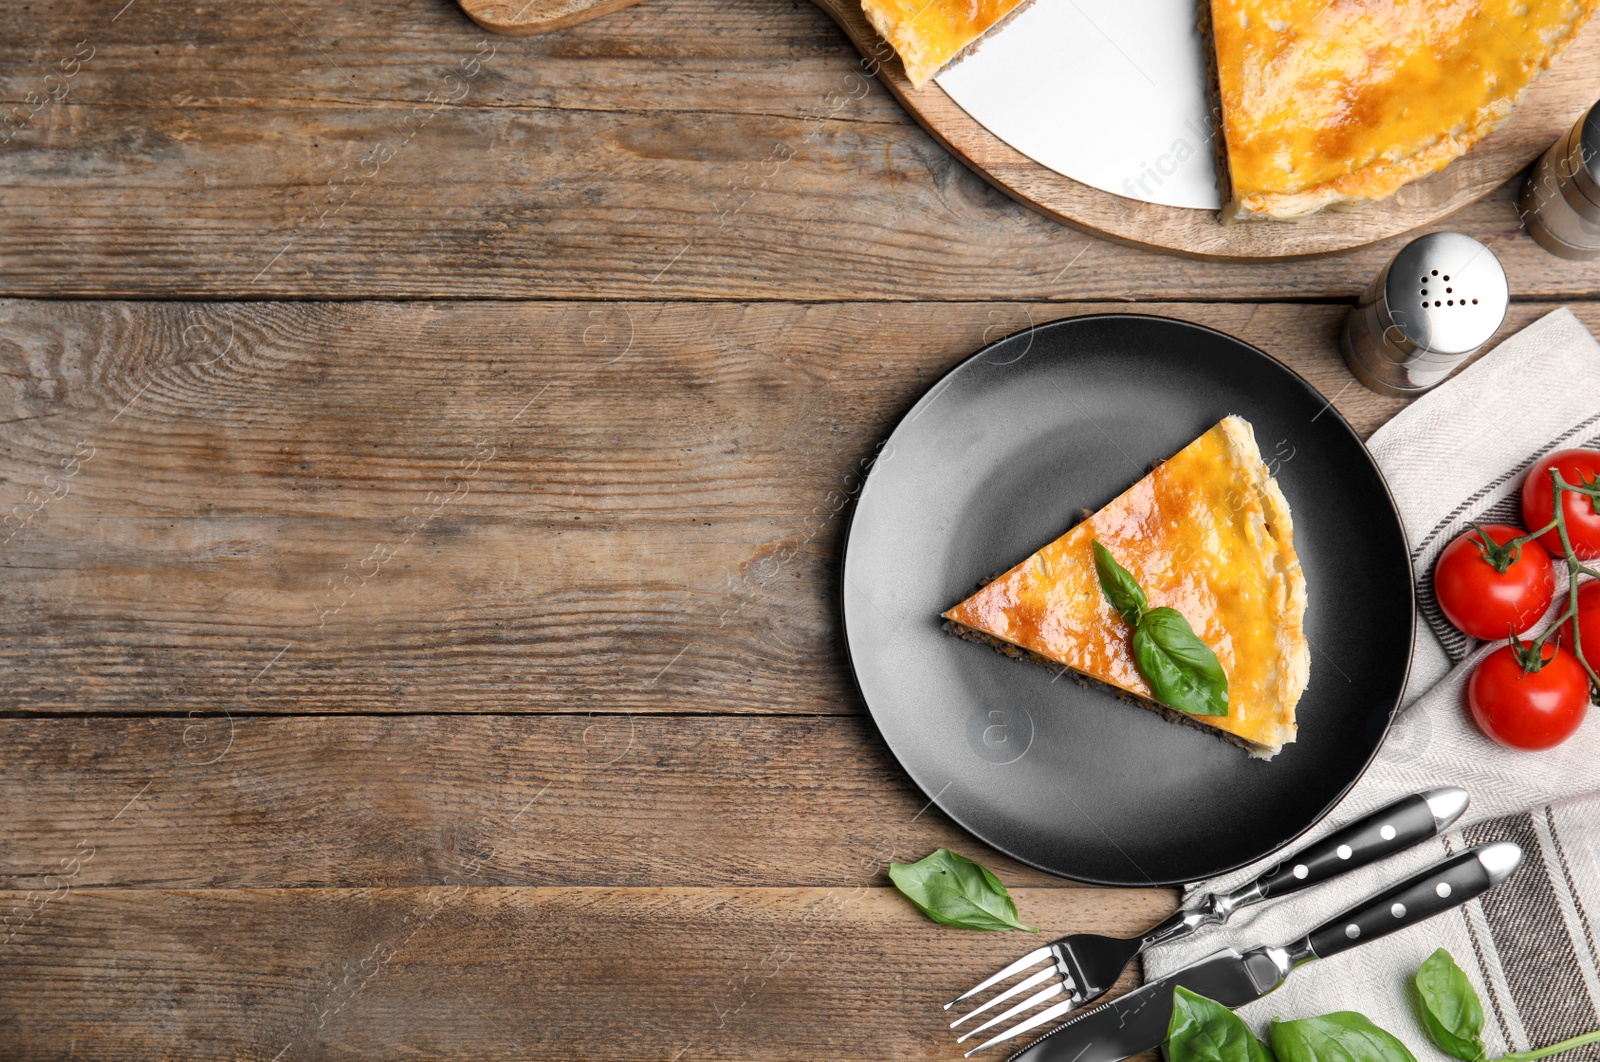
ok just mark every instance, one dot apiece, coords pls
pixel 1560 204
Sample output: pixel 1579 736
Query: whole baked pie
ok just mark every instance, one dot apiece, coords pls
pixel 1207 533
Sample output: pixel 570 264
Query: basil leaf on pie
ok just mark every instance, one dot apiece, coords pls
pixel 1119 586
pixel 1182 670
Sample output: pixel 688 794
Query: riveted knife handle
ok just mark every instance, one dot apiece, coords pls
pixel 1434 891
pixel 1408 821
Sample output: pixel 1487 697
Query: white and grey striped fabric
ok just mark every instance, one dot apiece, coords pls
pixel 1532 946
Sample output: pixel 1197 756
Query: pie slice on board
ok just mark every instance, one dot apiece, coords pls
pixel 1208 533
pixel 1325 104
pixel 929 35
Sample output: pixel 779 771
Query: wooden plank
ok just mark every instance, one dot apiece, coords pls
pixel 345 149
pixel 707 56
pixel 469 507
pixel 496 973
pixel 543 800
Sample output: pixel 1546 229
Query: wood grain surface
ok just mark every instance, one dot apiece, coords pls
pixel 468 507
pixel 465 971
pixel 423 465
pixel 707 149
pixel 555 800
pixel 613 524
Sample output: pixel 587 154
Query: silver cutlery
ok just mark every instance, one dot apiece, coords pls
pixel 1080 968
pixel 1138 1021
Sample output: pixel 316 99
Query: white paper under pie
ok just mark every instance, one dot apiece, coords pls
pixel 1111 93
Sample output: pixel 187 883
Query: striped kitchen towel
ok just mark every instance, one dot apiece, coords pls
pixel 1532 946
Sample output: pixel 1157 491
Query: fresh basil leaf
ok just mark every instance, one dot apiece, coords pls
pixel 1119 586
pixel 1341 1037
pixel 1448 1007
pixel 1182 671
pixel 1203 1030
pixel 955 891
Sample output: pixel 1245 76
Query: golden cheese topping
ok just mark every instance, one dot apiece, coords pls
pixel 927 34
pixel 1199 535
pixel 1326 102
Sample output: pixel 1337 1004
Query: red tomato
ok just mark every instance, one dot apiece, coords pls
pixel 1588 623
pixel 1580 468
pixel 1489 604
pixel 1537 710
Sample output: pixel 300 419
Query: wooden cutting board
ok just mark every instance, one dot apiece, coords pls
pixel 524 18
pixel 1548 109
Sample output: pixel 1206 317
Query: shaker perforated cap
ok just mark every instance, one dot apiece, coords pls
pixel 1446 294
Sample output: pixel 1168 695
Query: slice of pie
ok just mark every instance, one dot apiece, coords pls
pixel 1328 104
pixel 1207 533
pixel 929 35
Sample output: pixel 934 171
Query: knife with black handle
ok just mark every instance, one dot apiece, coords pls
pixel 1090 963
pixel 1138 1021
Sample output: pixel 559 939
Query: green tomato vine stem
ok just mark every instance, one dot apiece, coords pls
pixel 1564 1045
pixel 1532 655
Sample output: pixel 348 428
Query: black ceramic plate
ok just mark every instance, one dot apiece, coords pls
pixel 1002 456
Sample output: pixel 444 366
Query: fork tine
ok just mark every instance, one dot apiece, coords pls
pixel 1021 986
pixel 1030 959
pixel 1048 1014
pixel 1027 1004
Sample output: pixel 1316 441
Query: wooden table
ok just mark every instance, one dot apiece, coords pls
pixel 423 459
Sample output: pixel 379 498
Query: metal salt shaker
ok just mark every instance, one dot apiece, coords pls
pixel 1560 204
pixel 1436 302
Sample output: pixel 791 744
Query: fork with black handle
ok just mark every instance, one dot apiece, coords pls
pixel 1140 1020
pixel 1081 967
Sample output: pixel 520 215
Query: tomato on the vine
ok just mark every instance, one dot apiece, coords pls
pixel 1486 603
pixel 1588 623
pixel 1579 468
pixel 1529 710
